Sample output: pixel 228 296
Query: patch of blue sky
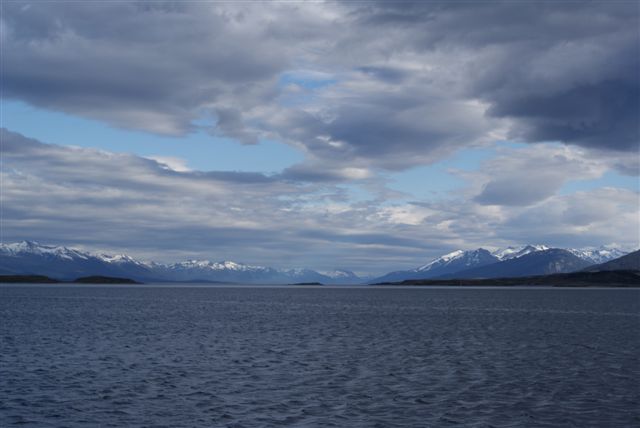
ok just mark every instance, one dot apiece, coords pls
pixel 306 79
pixel 437 181
pixel 608 179
pixel 200 150
pixel 301 87
pixel 358 192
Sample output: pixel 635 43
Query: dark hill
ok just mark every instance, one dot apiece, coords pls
pixel 618 278
pixel 27 279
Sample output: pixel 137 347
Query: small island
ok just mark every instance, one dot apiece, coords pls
pixel 104 280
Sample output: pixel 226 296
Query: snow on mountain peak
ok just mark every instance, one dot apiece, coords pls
pixel 515 252
pixel 441 260
pixel 598 255
pixel 116 259
pixel 23 247
pixel 32 247
pixel 234 266
pixel 340 273
pixel 591 254
pixel 215 266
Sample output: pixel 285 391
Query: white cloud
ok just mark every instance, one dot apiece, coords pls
pixel 172 163
pixel 528 175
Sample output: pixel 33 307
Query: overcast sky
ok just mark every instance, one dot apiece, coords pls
pixel 369 136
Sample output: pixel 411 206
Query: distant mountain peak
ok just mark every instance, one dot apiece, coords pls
pixel 214 266
pixel 116 258
pixel 540 262
pixel 27 257
pixel 340 274
pixel 440 260
pixel 28 244
pixel 512 252
pixel 630 261
pixel 597 255
pixel 33 247
pixel 451 262
pixel 466 258
pixel 23 246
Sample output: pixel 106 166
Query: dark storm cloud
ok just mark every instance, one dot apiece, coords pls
pixel 562 71
pixel 604 114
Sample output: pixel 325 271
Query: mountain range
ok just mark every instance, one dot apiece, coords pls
pixel 508 262
pixel 26 258
pixel 630 261
pixel 542 262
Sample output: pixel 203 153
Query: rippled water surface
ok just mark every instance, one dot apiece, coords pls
pixel 344 357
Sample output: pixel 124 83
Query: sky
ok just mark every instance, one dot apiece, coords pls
pixel 362 135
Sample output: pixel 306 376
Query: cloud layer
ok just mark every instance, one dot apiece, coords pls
pixel 107 201
pixel 352 85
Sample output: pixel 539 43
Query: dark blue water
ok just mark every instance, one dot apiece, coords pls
pixel 357 357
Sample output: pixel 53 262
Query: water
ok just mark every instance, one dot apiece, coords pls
pixel 359 357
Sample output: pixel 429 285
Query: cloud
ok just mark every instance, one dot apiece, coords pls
pixel 120 202
pixel 105 200
pixel 529 175
pixel 581 218
pixel 368 123
pixel 324 173
pixel 172 163
pixel 559 71
pixel 373 85
pixel 150 66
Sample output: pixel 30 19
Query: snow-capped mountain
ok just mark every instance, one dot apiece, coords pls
pixel 29 257
pixel 629 261
pixel 449 263
pixel 66 263
pixel 522 260
pixel 31 247
pixel 440 261
pixel 342 275
pixel 597 255
pixel 515 252
pixel 116 258
pixel 215 266
pixel 223 271
pixel 590 254
pixel 457 260
pixel 552 260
